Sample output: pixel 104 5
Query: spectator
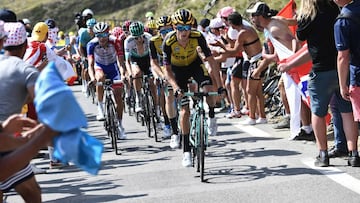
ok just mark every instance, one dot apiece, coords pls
pixel 14 94
pixel 316 25
pixel 347 42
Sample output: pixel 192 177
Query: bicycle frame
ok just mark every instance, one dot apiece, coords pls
pixel 111 119
pixel 198 130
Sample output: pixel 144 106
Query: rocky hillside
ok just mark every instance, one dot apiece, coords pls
pixel 63 11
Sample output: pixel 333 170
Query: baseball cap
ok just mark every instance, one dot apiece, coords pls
pixel 3 33
pixel 39 31
pixel 16 34
pixel 259 8
pixel 216 23
pixel 226 11
pixel 204 22
pixel 50 23
pixel 7 15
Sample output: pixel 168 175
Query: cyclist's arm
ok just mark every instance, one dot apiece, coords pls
pixel 120 57
pixel 127 57
pixel 154 60
pixel 91 61
pixel 170 77
pixel 214 68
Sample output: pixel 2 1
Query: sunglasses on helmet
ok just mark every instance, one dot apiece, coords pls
pixel 183 27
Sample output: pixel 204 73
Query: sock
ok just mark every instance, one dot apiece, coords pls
pixel 307 128
pixel 354 153
pixel 138 96
pixel 211 112
pixel 174 125
pixel 166 120
pixel 186 143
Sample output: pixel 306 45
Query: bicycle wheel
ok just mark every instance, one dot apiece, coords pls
pixel 113 125
pixel 202 146
pixel 146 112
pixel 153 120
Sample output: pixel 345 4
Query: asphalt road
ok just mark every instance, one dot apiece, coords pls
pixel 243 164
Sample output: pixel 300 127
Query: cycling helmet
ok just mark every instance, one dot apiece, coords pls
pixel 50 23
pixel 91 22
pixel 164 21
pixel 101 27
pixel 183 16
pixel 152 24
pixel 87 12
pixel 126 25
pixel 116 31
pixel 149 15
pixel 136 28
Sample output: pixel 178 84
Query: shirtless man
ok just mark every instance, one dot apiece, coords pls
pixel 277 31
pixel 249 42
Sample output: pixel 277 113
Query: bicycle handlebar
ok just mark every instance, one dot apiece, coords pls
pixel 201 94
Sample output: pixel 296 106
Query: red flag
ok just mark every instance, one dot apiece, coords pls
pixel 289 11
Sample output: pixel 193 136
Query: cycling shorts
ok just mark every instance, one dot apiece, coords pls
pixel 143 63
pixel 111 71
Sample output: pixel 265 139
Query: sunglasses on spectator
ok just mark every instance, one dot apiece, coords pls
pixel 218 28
pixel 183 27
pixel 102 35
pixel 165 31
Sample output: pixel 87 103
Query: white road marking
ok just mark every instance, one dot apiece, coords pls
pixel 333 173
pixel 252 130
pixel 336 175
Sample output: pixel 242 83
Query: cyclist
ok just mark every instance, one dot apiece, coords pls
pixel 103 56
pixel 84 38
pixel 137 59
pixel 164 24
pixel 182 62
pixel 125 33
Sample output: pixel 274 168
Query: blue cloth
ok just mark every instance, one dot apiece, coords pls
pixel 57 108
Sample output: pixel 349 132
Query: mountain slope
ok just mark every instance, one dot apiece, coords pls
pixel 63 11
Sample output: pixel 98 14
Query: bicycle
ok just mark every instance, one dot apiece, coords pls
pixel 198 130
pixel 111 120
pixel 149 112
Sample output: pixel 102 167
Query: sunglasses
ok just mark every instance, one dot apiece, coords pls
pixel 219 28
pixel 165 31
pixel 102 35
pixel 138 37
pixel 183 27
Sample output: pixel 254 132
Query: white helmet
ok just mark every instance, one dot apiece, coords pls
pixel 87 12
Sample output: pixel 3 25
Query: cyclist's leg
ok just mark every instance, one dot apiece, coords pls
pixel 100 77
pixel 137 82
pixel 171 110
pixel 202 78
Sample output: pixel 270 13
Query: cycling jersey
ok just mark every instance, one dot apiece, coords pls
pixel 156 47
pixel 176 55
pixel 131 51
pixel 106 57
pixel 84 39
